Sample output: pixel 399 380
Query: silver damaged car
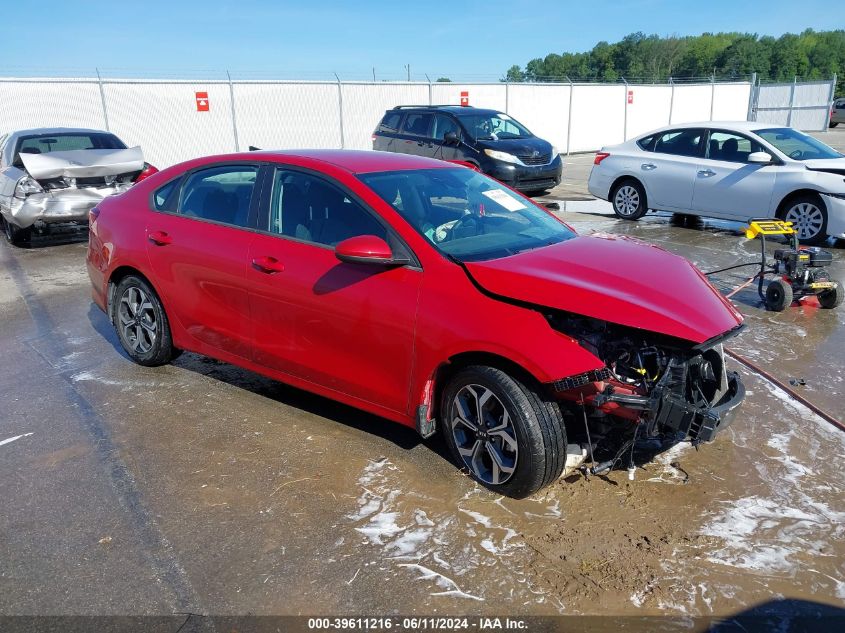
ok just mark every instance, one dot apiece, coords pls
pixel 57 175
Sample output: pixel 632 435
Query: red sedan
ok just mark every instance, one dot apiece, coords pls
pixel 423 292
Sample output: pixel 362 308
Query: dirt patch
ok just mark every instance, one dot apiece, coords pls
pixel 610 551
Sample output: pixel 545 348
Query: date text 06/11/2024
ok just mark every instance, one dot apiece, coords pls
pixel 417 623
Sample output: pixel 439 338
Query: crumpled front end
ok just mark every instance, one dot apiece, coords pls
pixel 668 386
pixel 60 205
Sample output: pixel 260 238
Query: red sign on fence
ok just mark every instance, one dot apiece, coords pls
pixel 465 98
pixel 202 101
pixel 630 96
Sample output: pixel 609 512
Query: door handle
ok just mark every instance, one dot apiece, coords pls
pixel 706 172
pixel 267 264
pixel 159 238
pixel 648 166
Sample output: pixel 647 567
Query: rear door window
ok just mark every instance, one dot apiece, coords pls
pixel 647 143
pixel 417 124
pixel 685 142
pixel 220 194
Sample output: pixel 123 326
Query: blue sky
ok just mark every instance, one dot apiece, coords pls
pixel 311 40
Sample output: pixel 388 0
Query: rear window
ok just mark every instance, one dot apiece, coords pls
pixel 647 143
pixel 417 124
pixel 45 143
pixel 390 122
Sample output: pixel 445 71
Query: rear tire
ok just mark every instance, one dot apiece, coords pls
pixel 16 235
pixel 519 448
pixel 778 295
pixel 629 200
pixel 833 124
pixel 141 323
pixel 830 299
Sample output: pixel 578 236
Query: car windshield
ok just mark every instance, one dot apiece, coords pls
pixel 465 214
pixel 797 145
pixel 493 127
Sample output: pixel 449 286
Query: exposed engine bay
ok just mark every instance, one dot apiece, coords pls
pixel 666 386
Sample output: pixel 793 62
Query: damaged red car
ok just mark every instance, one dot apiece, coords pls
pixel 423 292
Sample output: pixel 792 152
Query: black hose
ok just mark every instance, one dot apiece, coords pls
pixel 721 270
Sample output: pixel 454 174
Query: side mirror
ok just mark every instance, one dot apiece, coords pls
pixel 761 158
pixel 450 138
pixel 367 249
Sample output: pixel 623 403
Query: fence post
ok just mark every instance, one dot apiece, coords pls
pixel 671 99
pixel 625 117
pixel 569 115
pixel 712 93
pixel 507 96
pixel 752 98
pixel 430 102
pixel 103 100
pixel 340 109
pixel 232 104
pixel 791 101
pixel 829 103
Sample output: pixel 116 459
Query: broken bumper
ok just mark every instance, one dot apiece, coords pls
pixel 65 205
pixel 674 414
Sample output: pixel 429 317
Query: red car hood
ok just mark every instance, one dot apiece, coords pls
pixel 616 279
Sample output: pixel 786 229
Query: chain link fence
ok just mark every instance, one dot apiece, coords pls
pixel 174 120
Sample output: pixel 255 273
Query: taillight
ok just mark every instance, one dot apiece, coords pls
pixel 600 156
pixel 374 138
pixel 148 171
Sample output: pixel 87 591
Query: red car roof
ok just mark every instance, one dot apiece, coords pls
pixel 361 161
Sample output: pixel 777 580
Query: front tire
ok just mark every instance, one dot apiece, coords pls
pixel 778 295
pixel 16 235
pixel 834 124
pixel 808 215
pixel 508 437
pixel 629 200
pixel 141 323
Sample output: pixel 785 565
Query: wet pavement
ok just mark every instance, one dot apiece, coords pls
pixel 199 487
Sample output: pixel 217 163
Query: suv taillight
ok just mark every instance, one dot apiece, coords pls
pixel 600 156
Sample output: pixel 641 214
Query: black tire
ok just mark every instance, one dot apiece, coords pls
pixel 808 214
pixel 535 193
pixel 629 200
pixel 832 298
pixel 135 328
pixel 15 235
pixel 833 124
pixel 536 424
pixel 778 295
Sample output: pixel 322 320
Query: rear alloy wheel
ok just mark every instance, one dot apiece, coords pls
pixel 16 235
pixel 778 295
pixel 141 324
pixel 809 217
pixel 504 433
pixel 629 201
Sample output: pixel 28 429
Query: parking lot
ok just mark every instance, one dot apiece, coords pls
pixel 202 488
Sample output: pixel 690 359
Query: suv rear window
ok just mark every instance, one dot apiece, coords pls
pixel 390 122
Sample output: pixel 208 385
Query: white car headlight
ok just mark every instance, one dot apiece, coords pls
pixel 502 156
pixel 554 152
pixel 26 186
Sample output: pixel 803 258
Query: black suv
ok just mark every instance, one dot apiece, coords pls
pixel 494 142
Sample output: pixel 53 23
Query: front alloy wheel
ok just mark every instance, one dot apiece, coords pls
pixel 809 218
pixel 504 430
pixel 484 435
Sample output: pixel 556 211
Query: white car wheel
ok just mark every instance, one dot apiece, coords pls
pixel 808 219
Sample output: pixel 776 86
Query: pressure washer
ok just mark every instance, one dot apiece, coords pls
pixel 799 270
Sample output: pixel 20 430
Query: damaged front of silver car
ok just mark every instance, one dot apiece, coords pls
pixel 63 186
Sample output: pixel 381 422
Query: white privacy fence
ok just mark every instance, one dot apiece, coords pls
pixel 804 105
pixel 177 120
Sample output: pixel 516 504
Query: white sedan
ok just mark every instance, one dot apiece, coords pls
pixel 735 171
